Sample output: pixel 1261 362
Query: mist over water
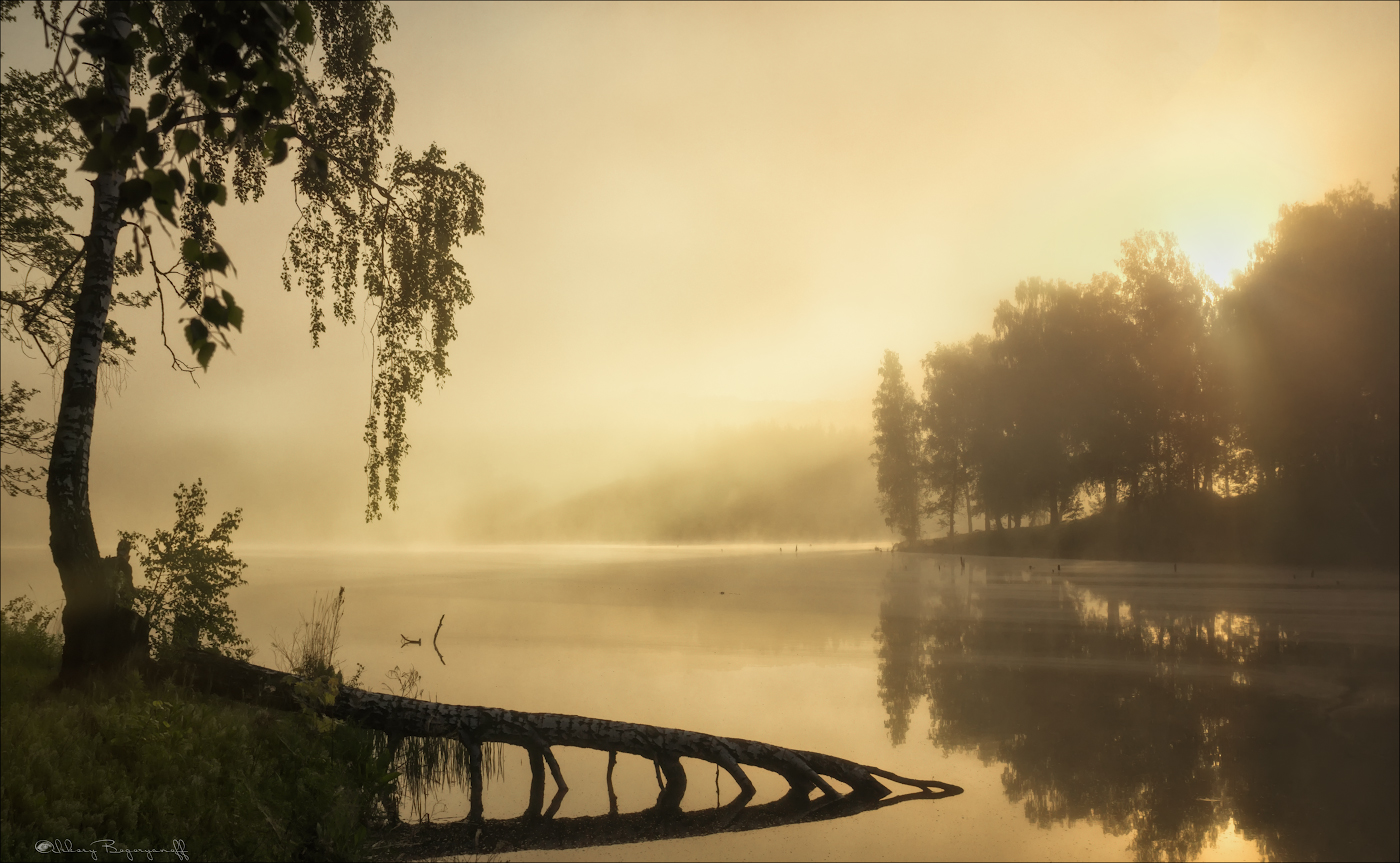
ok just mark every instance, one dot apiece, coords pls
pixel 1091 710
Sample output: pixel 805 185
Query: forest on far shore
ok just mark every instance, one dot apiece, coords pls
pixel 1153 414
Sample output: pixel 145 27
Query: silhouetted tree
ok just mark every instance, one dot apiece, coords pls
pixel 1107 391
pixel 896 455
pixel 1171 306
pixel 1036 343
pixel 948 418
pixel 1313 322
pixel 188 575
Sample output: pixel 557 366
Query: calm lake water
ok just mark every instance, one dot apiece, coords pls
pixel 1091 710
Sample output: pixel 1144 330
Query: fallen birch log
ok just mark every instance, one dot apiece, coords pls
pixel 538 733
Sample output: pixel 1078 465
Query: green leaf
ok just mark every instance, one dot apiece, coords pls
pixel 173 115
pixel 164 187
pixel 268 100
pixel 214 312
pixel 124 142
pixel 97 160
pixel 286 87
pixel 157 105
pixel 305 33
pixel 205 352
pixel 158 65
pixel 216 260
pixel 139 13
pixel 190 251
pixel 186 141
pixel 235 317
pixel 208 193
pixel 151 151
pixel 235 312
pixel 251 119
pixel 162 191
pixel 133 193
pixel 196 333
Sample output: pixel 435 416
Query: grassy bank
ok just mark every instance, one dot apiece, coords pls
pixel 1196 527
pixel 143 766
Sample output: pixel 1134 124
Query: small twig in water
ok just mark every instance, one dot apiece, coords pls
pixel 407 641
pixel 435 635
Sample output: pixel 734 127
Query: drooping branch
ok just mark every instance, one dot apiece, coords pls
pixel 157 273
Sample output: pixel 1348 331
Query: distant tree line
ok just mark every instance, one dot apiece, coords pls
pixel 1154 380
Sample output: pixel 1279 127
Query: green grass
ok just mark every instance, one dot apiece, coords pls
pixel 146 765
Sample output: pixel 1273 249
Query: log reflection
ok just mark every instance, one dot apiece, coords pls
pixel 663 821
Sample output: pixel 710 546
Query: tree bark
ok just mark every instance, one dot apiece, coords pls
pixel 97 634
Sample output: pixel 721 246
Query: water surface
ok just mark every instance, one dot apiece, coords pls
pixel 1090 710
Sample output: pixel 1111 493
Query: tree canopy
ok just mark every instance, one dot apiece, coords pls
pixel 231 90
pixel 1154 381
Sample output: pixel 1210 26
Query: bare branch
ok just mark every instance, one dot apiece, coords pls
pixel 156 273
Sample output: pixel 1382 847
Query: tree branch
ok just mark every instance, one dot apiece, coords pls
pixel 31 315
pixel 156 274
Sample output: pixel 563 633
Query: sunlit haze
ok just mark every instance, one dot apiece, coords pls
pixel 703 218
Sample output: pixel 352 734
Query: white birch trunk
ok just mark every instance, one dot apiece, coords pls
pixel 72 539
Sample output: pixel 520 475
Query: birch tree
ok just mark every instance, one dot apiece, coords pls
pixel 230 90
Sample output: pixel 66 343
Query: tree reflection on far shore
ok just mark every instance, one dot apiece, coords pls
pixel 1149 712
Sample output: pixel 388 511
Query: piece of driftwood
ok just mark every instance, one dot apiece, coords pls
pixel 538 733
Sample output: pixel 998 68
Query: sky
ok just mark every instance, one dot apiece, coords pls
pixel 700 216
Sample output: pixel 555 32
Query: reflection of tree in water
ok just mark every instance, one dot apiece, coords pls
pixel 900 638
pixel 1142 718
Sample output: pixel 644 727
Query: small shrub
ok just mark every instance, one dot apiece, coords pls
pixel 188 576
